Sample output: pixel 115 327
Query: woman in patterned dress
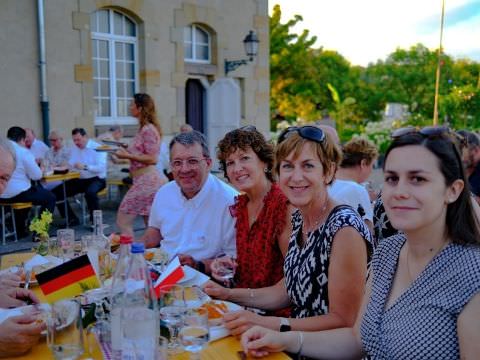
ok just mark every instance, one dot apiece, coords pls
pixel 423 298
pixel 326 264
pixel 142 153
pixel 262 212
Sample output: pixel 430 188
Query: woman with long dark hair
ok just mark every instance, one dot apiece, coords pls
pixel 143 154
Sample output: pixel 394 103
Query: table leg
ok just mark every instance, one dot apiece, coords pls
pixel 65 202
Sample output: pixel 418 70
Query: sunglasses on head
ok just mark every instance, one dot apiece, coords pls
pixel 248 128
pixel 308 132
pixel 428 132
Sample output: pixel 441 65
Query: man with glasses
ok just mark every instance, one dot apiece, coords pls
pixel 58 155
pixel 190 216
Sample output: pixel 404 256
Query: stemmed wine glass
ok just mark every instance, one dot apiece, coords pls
pixel 223 269
pixel 172 310
pixel 194 334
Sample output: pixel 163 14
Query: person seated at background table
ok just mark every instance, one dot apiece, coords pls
pixel 261 211
pixel 190 216
pixel 7 163
pixel 37 147
pixel 115 167
pixel 326 263
pixel 17 334
pixel 115 133
pixel 58 154
pixel 358 157
pixel 92 166
pixel 19 187
pixel 423 298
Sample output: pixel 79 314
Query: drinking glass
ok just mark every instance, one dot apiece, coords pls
pixel 54 247
pixel 64 330
pixel 194 334
pixel 66 240
pixel 223 269
pixel 172 309
pixel 98 254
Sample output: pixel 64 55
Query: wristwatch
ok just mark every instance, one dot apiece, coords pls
pixel 284 325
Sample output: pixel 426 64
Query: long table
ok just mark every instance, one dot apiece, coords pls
pixel 222 349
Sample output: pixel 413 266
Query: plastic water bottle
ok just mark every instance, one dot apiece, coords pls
pixel 139 315
pixel 117 292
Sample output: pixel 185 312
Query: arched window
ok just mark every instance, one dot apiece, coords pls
pixel 197 44
pixel 115 64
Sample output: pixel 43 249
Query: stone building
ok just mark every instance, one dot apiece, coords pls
pixel 99 53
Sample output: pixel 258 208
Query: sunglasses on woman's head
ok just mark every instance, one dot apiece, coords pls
pixel 248 128
pixel 308 132
pixel 427 131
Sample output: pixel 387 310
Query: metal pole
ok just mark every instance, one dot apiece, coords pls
pixel 42 64
pixel 437 78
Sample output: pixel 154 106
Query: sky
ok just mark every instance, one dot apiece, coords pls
pixel 364 31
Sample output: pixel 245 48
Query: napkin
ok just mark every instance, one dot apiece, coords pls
pixel 172 274
pixel 37 260
pixel 198 279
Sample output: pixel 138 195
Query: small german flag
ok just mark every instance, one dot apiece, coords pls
pixel 68 279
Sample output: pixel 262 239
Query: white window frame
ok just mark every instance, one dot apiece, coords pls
pixel 193 44
pixel 112 39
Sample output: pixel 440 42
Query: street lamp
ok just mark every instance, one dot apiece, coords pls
pixel 251 49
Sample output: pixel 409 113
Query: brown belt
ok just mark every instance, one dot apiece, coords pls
pixel 142 171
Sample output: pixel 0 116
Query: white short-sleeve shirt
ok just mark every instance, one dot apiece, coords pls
pixel 351 193
pixel 201 227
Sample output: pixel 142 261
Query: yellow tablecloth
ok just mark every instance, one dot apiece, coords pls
pixel 223 349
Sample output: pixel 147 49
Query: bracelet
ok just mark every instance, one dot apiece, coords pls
pixel 300 335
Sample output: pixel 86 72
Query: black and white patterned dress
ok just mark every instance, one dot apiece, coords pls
pixel 422 322
pixel 306 268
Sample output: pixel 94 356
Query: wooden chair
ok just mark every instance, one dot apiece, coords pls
pixel 12 206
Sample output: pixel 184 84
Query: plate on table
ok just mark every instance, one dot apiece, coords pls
pixel 115 143
pixel 189 274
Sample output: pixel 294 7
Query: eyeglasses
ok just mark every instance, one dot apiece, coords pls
pixel 308 132
pixel 191 163
pixel 53 139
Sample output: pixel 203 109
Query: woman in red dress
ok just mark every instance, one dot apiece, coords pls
pixel 143 153
pixel 262 211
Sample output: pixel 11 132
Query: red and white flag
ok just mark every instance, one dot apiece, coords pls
pixel 172 274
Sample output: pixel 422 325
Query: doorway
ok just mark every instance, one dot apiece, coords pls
pixel 195 104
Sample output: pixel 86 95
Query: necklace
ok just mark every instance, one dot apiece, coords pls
pixel 316 223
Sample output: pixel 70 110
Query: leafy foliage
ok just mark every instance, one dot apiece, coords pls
pixel 307 82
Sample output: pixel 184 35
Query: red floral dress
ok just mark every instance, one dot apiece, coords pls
pixel 139 198
pixel 260 261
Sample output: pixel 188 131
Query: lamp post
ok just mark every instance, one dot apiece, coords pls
pixel 251 49
pixel 437 77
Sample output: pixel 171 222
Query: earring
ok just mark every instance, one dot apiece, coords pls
pixel 266 170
